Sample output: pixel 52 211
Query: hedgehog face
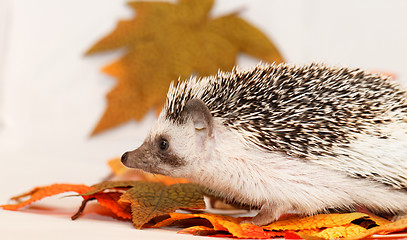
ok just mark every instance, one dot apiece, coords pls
pixel 170 148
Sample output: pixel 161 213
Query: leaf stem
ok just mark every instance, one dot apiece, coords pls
pixel 81 208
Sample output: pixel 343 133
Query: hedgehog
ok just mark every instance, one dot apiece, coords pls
pixel 286 138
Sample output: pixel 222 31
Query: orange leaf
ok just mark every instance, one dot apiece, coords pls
pixel 246 230
pixel 396 226
pixel 117 167
pixel 324 226
pixel 173 218
pixel 196 229
pixel 224 223
pixel 345 231
pixel 378 220
pixel 47 191
pixel 170 41
pixel 110 200
pixel 314 222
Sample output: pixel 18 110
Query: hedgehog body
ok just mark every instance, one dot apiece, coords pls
pixel 286 138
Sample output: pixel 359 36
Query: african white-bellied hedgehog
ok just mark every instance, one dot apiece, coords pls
pixel 286 138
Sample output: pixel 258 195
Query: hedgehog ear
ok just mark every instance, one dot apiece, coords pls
pixel 197 110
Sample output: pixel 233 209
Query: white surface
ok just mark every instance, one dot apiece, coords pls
pixel 51 97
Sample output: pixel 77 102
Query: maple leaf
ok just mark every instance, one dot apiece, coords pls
pixel 145 201
pixel 149 199
pixel 221 225
pixel 100 187
pixel 109 200
pixel 202 231
pixel 39 193
pixel 323 226
pixel 137 200
pixel 314 222
pixel 170 41
pixel 391 227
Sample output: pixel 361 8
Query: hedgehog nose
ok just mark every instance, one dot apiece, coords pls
pixel 124 157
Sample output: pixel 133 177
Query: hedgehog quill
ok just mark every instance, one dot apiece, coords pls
pixel 286 138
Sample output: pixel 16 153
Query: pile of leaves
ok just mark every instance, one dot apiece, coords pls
pixel 169 41
pixel 151 204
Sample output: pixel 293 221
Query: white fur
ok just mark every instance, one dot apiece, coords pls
pixel 279 183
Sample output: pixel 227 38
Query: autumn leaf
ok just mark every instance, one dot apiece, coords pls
pixel 204 231
pixel 323 226
pixel 397 226
pixel 111 185
pixel 314 222
pixel 43 192
pixel 145 200
pixel 137 200
pixel 109 200
pixel 149 200
pixel 344 231
pixel 155 202
pixel 169 41
pixel 221 224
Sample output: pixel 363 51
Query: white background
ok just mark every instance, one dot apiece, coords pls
pixel 51 96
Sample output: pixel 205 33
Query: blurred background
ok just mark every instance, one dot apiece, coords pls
pixel 51 96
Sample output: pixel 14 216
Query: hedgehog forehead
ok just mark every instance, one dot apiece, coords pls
pixel 161 128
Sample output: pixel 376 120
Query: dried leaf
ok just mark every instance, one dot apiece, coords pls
pixel 168 41
pixel 203 231
pixel 345 231
pixel 111 201
pixel 143 201
pixel 42 192
pixel 247 230
pixel 324 226
pixel 397 226
pixel 117 167
pixel 315 222
pixel 221 223
pixel 149 199
pixel 378 220
pixel 111 185
pixel 108 200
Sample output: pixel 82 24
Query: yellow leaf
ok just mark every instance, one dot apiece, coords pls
pixel 391 227
pixel 378 220
pixel 345 231
pixel 165 42
pixel 314 222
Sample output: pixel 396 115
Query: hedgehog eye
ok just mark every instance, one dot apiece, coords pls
pixel 164 144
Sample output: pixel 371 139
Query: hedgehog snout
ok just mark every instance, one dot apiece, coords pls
pixel 140 158
pixel 124 158
pixel 131 159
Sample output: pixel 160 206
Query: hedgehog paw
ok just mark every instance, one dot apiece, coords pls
pixel 266 215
